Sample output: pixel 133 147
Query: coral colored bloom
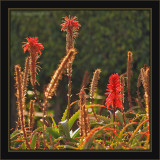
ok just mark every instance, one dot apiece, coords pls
pixel 114 93
pixel 70 23
pixel 32 45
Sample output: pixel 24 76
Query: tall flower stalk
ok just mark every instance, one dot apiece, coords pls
pixel 71 26
pixel 114 93
pixel 129 75
pixel 21 101
pixel 145 78
pixel 52 86
pixel 93 86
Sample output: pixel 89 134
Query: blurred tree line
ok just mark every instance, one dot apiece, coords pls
pixel 105 37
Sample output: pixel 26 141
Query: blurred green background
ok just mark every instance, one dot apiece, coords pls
pixel 105 37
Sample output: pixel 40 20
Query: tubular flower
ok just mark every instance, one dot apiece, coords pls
pixel 70 23
pixel 114 93
pixel 32 45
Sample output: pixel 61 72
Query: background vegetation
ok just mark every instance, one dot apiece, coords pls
pixel 104 39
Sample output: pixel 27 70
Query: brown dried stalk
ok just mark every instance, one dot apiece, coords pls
pixel 138 85
pixel 93 86
pixel 83 118
pixel 94 82
pixel 129 74
pixel 122 79
pixel 85 80
pixel 145 77
pixel 20 101
pixel 51 88
pixel 31 114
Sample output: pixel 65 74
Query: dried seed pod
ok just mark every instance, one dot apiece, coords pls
pixel 93 86
pixel 145 77
pixel 51 88
pixel 94 82
pixel 83 118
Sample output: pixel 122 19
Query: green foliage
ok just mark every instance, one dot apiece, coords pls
pixel 65 128
pixel 14 135
pixel 73 119
pixel 33 142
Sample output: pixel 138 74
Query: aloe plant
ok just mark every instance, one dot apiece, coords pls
pixel 121 129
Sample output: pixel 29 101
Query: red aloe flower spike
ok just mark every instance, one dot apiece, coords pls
pixel 70 23
pixel 34 48
pixel 71 26
pixel 114 93
pixel 32 45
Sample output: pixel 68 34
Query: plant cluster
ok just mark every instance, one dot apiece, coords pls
pixel 121 129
